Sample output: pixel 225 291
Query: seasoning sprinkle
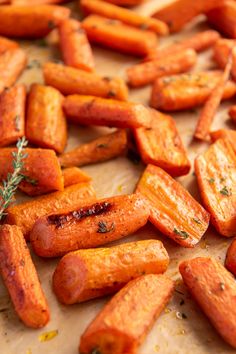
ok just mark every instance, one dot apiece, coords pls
pixel 225 191
pixel 46 336
pixel 183 234
pixel 103 228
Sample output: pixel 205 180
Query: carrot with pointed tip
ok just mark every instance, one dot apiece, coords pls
pixel 223 18
pixel 227 134
pixel 74 175
pixel 230 261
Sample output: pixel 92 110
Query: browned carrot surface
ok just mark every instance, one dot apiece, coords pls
pixel 172 209
pixel 74 175
pixel 88 225
pixel 232 113
pixel 118 36
pixel 7 44
pixel 101 149
pixel 69 80
pixel 21 279
pixel 223 18
pixel 46 123
pixel 214 289
pixel 102 271
pixel 230 261
pixel 227 134
pixel 124 322
pixel 216 176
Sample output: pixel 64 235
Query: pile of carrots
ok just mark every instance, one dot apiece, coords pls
pixel 66 219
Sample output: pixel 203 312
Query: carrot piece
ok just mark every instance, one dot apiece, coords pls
pixel 32 21
pixel 12 115
pixel 124 322
pixel 232 113
pixel 74 175
pixel 223 18
pixel 36 2
pixel 101 149
pixel 162 146
pixel 88 225
pixel 186 91
pixel 126 3
pixel 7 44
pixel 41 170
pixel 172 209
pixel 25 214
pixel 230 261
pixel 74 81
pixel 214 289
pixel 75 48
pixel 46 122
pixel 129 17
pixel 222 50
pixel 118 36
pixel 21 279
pixel 227 134
pixel 90 279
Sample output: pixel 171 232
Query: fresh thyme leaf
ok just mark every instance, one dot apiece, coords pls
pixel 32 181
pixel 211 180
pixel 183 234
pixel 225 191
pixel 197 221
pixel 103 228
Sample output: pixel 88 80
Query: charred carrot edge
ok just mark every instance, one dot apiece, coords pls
pixel 227 134
pixel 144 257
pixel 230 261
pixel 223 18
pixel 162 146
pixel 214 289
pixel 232 113
pixel 216 171
pixel 101 149
pixel 7 44
pixel 173 210
pixel 74 175
pixel 118 36
pixel 122 325
pixel 88 225
pixel 20 277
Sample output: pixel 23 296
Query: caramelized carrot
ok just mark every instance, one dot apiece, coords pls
pixel 172 209
pixel 46 123
pixel 227 134
pixel 102 271
pixel 88 225
pixel 12 115
pixel 124 322
pixel 223 18
pixel 36 2
pixel 222 50
pixel 216 176
pixel 230 261
pixel 74 175
pixel 118 36
pixel 162 146
pixel 21 279
pixel 25 214
pixel 214 289
pixel 7 44
pixel 101 149
pixel 232 113
pixel 74 81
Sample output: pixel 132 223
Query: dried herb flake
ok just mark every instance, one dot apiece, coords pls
pixel 225 191
pixel 183 234
pixel 103 228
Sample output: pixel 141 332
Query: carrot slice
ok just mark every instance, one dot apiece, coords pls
pixel 223 18
pixel 124 322
pixel 230 261
pixel 214 289
pixel 227 134
pixel 172 209
pixel 7 44
pixel 74 175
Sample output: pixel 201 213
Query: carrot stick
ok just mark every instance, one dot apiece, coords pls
pixel 21 279
pixel 232 113
pixel 74 175
pixel 7 44
pixel 214 289
pixel 25 214
pixel 129 17
pixel 46 123
pixel 162 146
pixel 173 210
pixel 74 81
pixel 230 261
pixel 91 279
pixel 223 18
pixel 12 115
pixel 216 176
pixel 88 225
pixel 101 149
pixel 118 36
pixel 122 325
pixel 227 134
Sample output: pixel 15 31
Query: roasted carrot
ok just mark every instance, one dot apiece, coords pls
pixel 12 114
pixel 74 81
pixel 36 2
pixel 46 123
pixel 186 91
pixel 222 50
pixel 7 44
pixel 88 225
pixel 102 271
pixel 230 261
pixel 101 149
pixel 214 289
pixel 118 36
pixel 124 322
pixel 32 21
pixel 227 134
pixel 41 170
pixel 90 110
pixel 172 209
pixel 74 175
pixel 223 18
pixel 25 214
pixel 126 3
pixel 129 17
pixel 162 146
pixel 21 279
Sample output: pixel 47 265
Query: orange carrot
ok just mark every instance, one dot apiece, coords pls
pixel 227 134
pixel 230 261
pixel 124 322
pixel 91 279
pixel 21 279
pixel 126 3
pixel 7 44
pixel 223 18
pixel 101 149
pixel 216 176
pixel 118 36
pixel 74 175
pixel 222 50
pixel 172 209
pixel 36 2
pixel 214 289
pixel 232 113
pixel 74 81
pixel 88 225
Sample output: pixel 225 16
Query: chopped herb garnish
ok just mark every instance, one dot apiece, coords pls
pixel 103 228
pixel 17 122
pixel 32 181
pixel 211 180
pixel 183 234
pixel 225 191
pixel 197 221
